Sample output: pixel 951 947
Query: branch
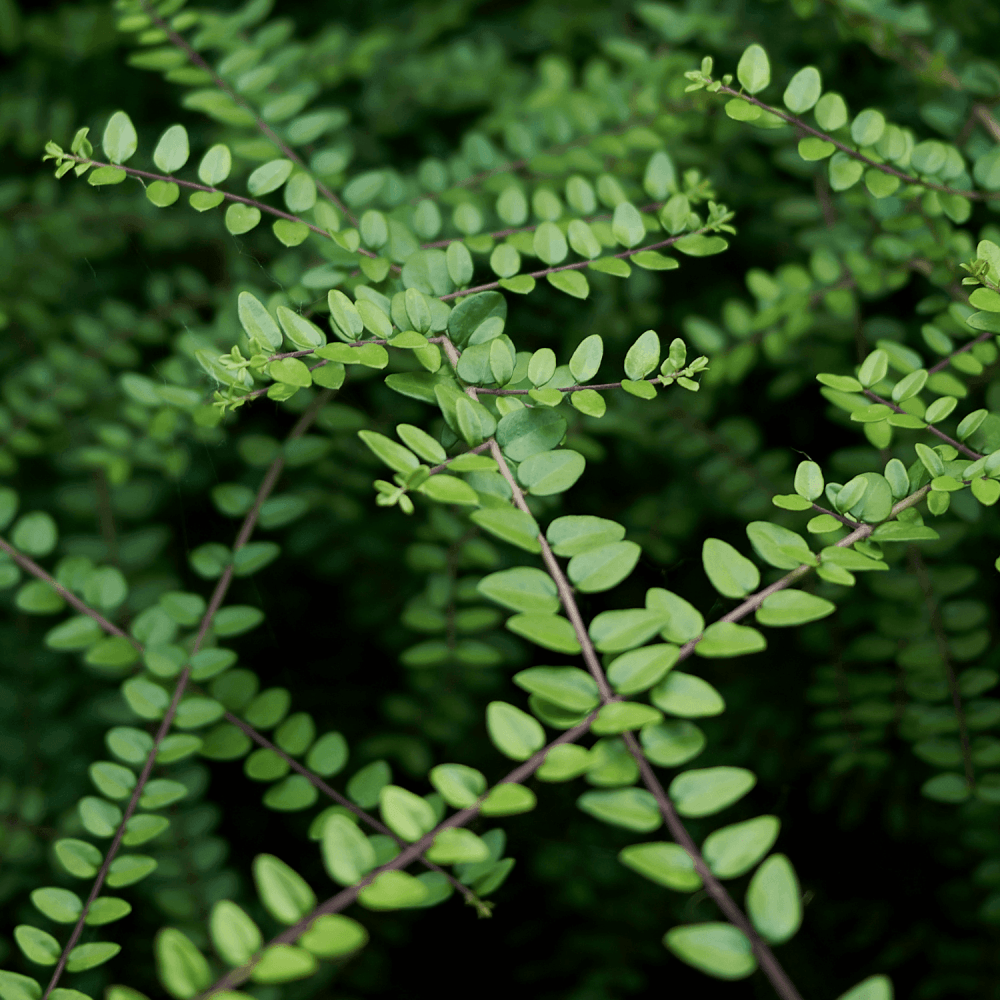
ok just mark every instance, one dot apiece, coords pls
pixel 577 266
pixel 934 614
pixel 134 172
pixel 943 363
pixel 216 600
pixel 182 43
pixel 344 898
pixel 957 445
pixel 853 153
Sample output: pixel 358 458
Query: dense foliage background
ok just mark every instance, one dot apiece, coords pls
pixel 96 282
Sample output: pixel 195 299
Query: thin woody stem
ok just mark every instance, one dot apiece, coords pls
pixel 577 266
pixel 957 445
pixel 937 626
pixel 214 603
pixel 769 964
pixel 853 153
pixel 149 175
pixel 182 43
pixel 500 233
pixel 247 528
pixel 945 361
pixel 411 853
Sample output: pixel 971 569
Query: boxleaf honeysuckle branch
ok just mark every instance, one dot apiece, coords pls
pixel 63 157
pixel 246 530
pixel 853 153
pixel 957 445
pixel 215 602
pixel 410 854
pixel 945 361
pixel 196 59
pixel 770 966
pixel 934 613
pixel 578 265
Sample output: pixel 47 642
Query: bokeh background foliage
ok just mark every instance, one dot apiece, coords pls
pixel 97 282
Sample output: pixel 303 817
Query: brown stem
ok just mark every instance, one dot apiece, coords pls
pixel 214 603
pixel 937 625
pixel 181 42
pixel 944 362
pixel 853 153
pixel 411 853
pixel 957 445
pixel 105 515
pixel 579 265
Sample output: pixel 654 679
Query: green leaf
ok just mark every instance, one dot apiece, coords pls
pixel 575 534
pixel 872 988
pixel 568 687
pixel 718 949
pixel 269 177
pixel 407 815
pixel 571 282
pixel 241 218
pixel 616 631
pixel 550 472
pixel 803 90
pixel 393 454
pixel 162 193
pixel 549 244
pixel 631 808
pixel 284 893
pixel 586 359
pixel 733 850
pixel 627 226
pixel 513 732
pixel 549 631
pixel 708 790
pixel 810 148
pixel 282 963
pixel 180 967
pixel 792 607
pixel 215 165
pixel 291 234
pixel 831 112
pixel 604 567
pixel 687 696
pixel 683 621
pixel 332 935
pixel 510 525
pixel 845 171
pixel 867 127
pixel 38 945
pixel 779 546
pixel 107 909
pixel 393 890
pixel 564 762
pixel 60 905
pixel 699 245
pixel 639 669
pixel 459 785
pixel 723 639
pixel 773 900
pixel 522 588
pixel 665 864
pixel 949 788
pixel 457 846
pixel 754 70
pixel 529 431
pixel 78 857
pixel 290 371
pixel 643 356
pixel 620 716
pixel 120 140
pixel 172 151
pixel 89 956
pixel 732 574
pixel 508 799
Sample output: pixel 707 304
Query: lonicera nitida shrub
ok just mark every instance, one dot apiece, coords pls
pixel 540 457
